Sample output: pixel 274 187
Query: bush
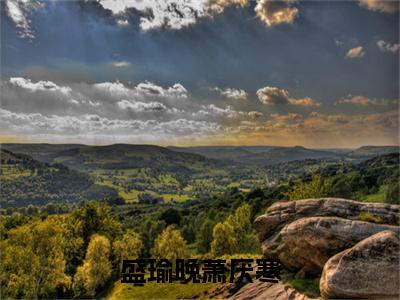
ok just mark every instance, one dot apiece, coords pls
pixel 392 194
pixel 308 287
pixel 367 217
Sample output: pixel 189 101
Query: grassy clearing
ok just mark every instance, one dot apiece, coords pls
pixel 131 196
pixel 379 196
pixel 12 172
pixel 176 197
pixel 164 291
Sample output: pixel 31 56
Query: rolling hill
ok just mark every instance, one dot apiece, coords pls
pixel 25 181
pixel 116 156
pixel 258 155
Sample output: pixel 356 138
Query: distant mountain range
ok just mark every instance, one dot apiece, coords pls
pixel 83 157
pixel 116 156
pixel 268 155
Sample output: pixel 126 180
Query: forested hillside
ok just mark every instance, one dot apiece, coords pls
pixel 27 181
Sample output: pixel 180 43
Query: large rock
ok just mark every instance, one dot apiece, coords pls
pixel 370 270
pixel 265 290
pixel 282 213
pixel 306 244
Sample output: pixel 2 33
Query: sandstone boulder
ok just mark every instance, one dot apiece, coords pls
pixel 307 244
pixel 282 213
pixel 265 290
pixel 370 269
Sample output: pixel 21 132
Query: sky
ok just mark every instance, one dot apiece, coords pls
pixel 322 74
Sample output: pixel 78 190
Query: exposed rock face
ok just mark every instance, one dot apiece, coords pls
pixel 370 269
pixel 265 290
pixel 282 213
pixel 306 244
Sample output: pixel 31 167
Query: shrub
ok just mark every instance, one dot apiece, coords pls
pixel 367 217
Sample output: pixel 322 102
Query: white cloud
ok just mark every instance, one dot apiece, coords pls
pixel 122 23
pixel 388 47
pixel 356 52
pixel 215 111
pixel 172 14
pixel 275 96
pixel 39 86
pixel 37 124
pixel 142 106
pixel 231 93
pixel 385 6
pixel 178 14
pixel 363 101
pixel 116 89
pixel 177 91
pixel 276 12
pixel 17 11
pixel 255 114
pixel 120 64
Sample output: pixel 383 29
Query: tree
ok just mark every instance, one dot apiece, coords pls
pixel 32 261
pixel 224 240
pixel 392 194
pixel 171 216
pixel 235 234
pixel 150 229
pixel 170 245
pixel 314 189
pixel 243 229
pixel 92 218
pixel 204 237
pixel 128 247
pixel 96 268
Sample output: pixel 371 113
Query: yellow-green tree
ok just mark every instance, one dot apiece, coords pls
pixel 128 247
pixel 170 245
pixel 32 261
pixel 224 240
pixel 96 268
pixel 235 234
pixel 314 189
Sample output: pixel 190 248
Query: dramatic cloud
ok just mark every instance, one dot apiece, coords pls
pixel 363 101
pixel 275 96
pixel 155 14
pixel 388 47
pixel 385 6
pixel 178 14
pixel 91 125
pixel 218 6
pixel 276 12
pixel 38 86
pixel 172 14
pixel 319 130
pixel 120 64
pixel 111 109
pixel 17 11
pixel 231 93
pixel 356 52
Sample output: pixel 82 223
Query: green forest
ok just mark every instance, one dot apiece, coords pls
pixel 69 217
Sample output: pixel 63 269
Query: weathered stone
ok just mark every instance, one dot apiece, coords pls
pixel 266 290
pixel 370 270
pixel 282 213
pixel 306 244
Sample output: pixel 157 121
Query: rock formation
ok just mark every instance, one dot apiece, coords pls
pixel 368 269
pixel 354 245
pixel 306 244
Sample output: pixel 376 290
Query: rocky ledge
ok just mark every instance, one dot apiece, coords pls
pixel 352 246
